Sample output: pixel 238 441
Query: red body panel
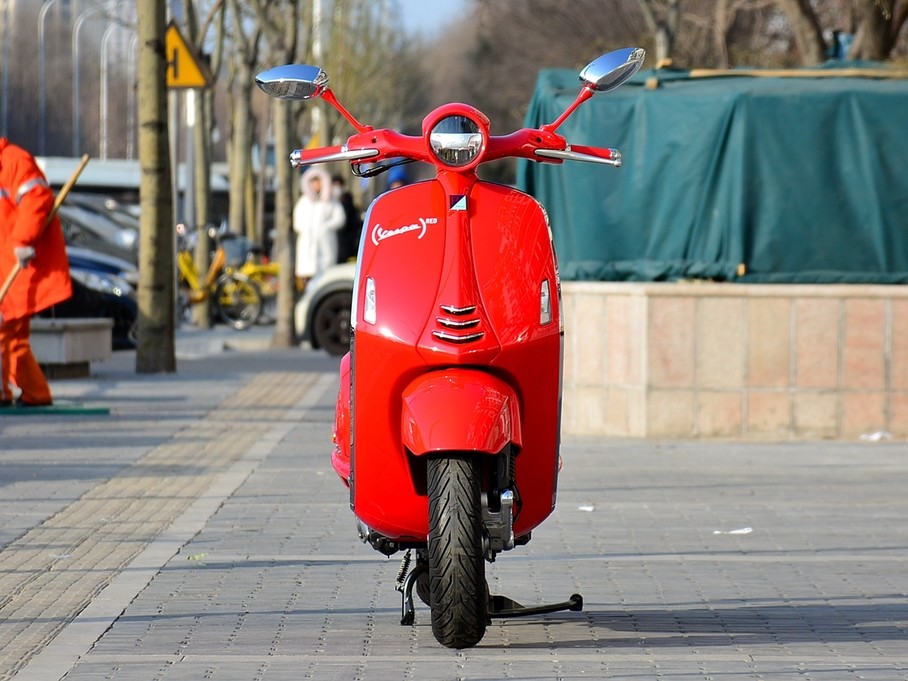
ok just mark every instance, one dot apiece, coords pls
pixel 340 456
pixel 454 243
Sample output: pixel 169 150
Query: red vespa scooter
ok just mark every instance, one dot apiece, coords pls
pixel 447 429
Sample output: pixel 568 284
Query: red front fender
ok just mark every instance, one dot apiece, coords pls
pixel 459 410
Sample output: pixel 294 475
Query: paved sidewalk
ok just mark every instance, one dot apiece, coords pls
pixel 198 532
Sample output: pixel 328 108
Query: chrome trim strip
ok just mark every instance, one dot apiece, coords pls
pixel 458 311
pixel 451 338
pixel 454 324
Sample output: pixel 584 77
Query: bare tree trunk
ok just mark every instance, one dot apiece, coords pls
pixel 202 255
pixel 261 236
pixel 240 141
pixel 241 138
pixel 155 351
pixel 663 29
pixel 284 332
pixel 806 27
pixel 668 29
pixel 251 231
pixel 873 39
pixel 281 26
pixel 720 32
pixel 898 20
pixel 204 107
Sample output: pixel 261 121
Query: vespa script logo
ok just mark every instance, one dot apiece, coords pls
pixel 379 234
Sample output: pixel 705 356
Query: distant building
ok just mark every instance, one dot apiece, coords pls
pixel 54 53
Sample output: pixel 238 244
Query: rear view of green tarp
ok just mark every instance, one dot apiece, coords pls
pixel 799 179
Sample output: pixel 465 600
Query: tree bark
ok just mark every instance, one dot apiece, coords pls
pixel 663 29
pixel 284 331
pixel 898 20
pixel 241 136
pixel 807 31
pixel 720 32
pixel 155 351
pixel 873 39
pixel 202 141
pixel 281 26
pixel 240 145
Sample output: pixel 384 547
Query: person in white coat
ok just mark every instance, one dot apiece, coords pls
pixel 317 217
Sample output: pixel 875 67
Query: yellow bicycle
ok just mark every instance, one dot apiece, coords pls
pixel 244 258
pixel 236 299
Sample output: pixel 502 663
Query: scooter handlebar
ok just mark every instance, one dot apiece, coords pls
pixel 304 157
pixel 533 144
pixel 538 144
pixel 577 152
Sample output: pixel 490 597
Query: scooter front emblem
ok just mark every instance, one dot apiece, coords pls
pixel 379 234
pixel 459 202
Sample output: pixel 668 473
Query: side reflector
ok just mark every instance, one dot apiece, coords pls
pixel 545 303
pixel 369 313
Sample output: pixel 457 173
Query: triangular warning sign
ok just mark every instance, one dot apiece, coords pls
pixel 184 68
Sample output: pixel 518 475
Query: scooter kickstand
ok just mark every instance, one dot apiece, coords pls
pixel 405 583
pixel 502 606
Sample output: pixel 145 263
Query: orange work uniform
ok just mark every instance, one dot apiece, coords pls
pixel 26 201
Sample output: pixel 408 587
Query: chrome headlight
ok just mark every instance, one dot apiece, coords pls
pixel 456 140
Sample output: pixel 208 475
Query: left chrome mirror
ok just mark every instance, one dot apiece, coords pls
pixel 294 82
pixel 612 69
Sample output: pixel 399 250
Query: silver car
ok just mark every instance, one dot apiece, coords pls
pixel 322 315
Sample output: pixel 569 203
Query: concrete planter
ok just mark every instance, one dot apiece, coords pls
pixel 65 348
pixel 735 360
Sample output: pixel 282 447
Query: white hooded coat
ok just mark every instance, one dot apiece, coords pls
pixel 316 221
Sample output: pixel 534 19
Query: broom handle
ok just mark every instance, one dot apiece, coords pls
pixel 66 188
pixel 11 277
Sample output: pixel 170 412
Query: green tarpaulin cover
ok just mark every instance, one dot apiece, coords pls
pixel 800 179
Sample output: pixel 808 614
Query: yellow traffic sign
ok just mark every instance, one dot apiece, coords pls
pixel 184 68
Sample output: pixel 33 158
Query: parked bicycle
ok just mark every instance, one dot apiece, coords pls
pixel 247 259
pixel 236 300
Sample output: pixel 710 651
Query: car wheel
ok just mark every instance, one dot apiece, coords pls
pixel 331 323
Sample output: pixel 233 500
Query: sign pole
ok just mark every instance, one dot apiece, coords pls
pixel 189 203
pixel 186 71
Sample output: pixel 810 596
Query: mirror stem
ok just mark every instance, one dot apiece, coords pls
pixel 584 95
pixel 329 97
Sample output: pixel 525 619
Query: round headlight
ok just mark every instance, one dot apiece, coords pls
pixel 456 140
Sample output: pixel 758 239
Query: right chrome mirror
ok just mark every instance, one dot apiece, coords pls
pixel 612 69
pixel 294 82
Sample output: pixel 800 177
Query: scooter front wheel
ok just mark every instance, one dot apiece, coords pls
pixel 422 581
pixel 457 584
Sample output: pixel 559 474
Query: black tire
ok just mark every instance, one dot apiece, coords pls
pixel 331 323
pixel 238 301
pixel 457 584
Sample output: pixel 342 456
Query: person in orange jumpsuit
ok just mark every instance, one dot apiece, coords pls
pixel 27 238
